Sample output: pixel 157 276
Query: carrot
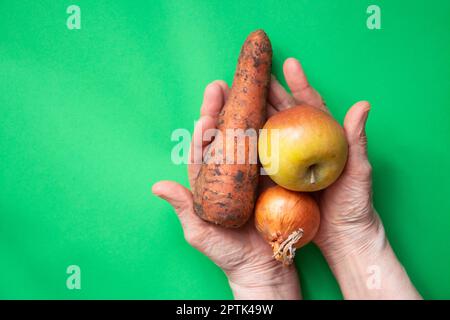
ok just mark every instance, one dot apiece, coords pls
pixel 225 193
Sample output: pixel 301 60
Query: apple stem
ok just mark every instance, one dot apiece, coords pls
pixel 312 178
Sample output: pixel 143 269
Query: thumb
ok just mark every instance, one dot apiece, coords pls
pixel 179 197
pixel 354 126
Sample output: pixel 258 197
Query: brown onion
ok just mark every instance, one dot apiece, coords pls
pixel 287 220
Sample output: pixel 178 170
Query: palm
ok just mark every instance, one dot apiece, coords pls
pixel 227 247
pixel 230 248
pixel 244 247
pixel 335 202
pixel 346 200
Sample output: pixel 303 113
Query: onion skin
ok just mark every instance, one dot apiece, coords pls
pixel 280 212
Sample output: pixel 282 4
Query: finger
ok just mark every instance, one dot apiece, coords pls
pixel 214 98
pixel 213 101
pixel 299 85
pixel 279 98
pixel 199 139
pixel 271 110
pixel 180 198
pixel 225 88
pixel 354 126
pixel 199 143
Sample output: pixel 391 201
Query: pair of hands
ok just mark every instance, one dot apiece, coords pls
pixel 349 224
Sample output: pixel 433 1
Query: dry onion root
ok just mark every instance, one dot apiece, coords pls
pixel 285 252
pixel 287 220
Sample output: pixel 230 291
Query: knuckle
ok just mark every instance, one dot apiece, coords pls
pixel 198 236
pixel 364 169
pixel 361 171
pixel 193 238
pixel 363 140
pixel 367 167
pixel 287 101
pixel 188 237
pixel 182 207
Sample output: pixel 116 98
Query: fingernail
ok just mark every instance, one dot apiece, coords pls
pixel 292 58
pixel 367 114
pixel 363 129
pixel 210 85
pixel 154 192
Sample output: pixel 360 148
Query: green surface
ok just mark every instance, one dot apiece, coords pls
pixel 86 118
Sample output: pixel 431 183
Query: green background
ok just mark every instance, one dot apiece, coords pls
pixel 86 119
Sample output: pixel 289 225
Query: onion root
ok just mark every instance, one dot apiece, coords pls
pixel 285 252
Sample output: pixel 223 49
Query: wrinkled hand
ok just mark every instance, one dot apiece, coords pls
pixel 346 207
pixel 351 235
pixel 241 253
pixel 348 219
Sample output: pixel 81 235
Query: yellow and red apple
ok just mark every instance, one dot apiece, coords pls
pixel 303 148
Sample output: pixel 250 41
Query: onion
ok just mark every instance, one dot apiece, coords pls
pixel 287 220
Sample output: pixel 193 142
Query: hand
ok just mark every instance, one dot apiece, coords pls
pixel 346 206
pixel 351 235
pixel 241 253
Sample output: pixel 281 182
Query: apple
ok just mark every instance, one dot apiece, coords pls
pixel 303 148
